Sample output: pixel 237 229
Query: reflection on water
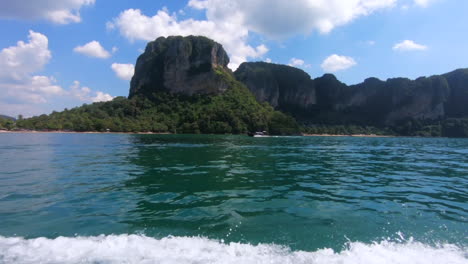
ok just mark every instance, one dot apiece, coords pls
pixel 304 192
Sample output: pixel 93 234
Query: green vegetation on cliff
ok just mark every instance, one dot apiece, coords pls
pixel 234 111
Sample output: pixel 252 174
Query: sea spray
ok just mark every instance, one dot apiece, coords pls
pixel 143 249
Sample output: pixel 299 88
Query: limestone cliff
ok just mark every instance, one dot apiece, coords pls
pixel 457 105
pixel 184 65
pixel 327 100
pixel 284 87
pixel 197 65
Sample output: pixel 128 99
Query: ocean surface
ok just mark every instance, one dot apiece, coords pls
pixel 117 198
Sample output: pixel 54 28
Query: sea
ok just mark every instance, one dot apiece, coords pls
pixel 124 198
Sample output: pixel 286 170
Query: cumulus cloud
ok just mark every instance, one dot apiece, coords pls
pixel 123 71
pixel 80 92
pixel 23 91
pixel 85 94
pixel 19 63
pixel 408 45
pixel 93 49
pixel 134 25
pixel 295 62
pixel 286 18
pixel 102 97
pixel 21 60
pixel 336 63
pixel 56 11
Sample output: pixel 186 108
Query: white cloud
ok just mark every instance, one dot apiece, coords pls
pixel 268 60
pixel 279 18
pixel 23 91
pixel 85 94
pixel 18 65
pixel 45 85
pixel 93 49
pixel 296 62
pixel 408 45
pixel 32 90
pixel 134 25
pixel 336 63
pixel 18 62
pixel 56 11
pixel 123 71
pixel 102 97
pixel 79 92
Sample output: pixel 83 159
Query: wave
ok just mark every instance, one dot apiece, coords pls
pixel 143 249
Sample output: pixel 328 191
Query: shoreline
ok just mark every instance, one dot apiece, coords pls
pixel 167 133
pixel 352 135
pixel 77 132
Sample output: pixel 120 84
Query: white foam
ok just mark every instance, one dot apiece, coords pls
pixel 142 249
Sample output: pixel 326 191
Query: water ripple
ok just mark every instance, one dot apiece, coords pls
pixel 303 192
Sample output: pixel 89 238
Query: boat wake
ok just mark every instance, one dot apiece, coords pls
pixel 143 249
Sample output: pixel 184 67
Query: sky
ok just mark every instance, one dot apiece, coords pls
pixel 57 54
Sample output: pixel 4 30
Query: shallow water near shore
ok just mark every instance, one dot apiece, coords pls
pixel 224 199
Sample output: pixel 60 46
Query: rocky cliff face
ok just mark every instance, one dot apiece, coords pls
pixel 327 100
pixel 387 102
pixel 185 65
pixel 284 87
pixel 457 104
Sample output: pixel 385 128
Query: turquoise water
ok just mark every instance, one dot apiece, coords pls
pixel 225 199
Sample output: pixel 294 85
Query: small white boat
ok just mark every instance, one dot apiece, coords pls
pixel 259 134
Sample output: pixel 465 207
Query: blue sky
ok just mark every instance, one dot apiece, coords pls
pixel 57 54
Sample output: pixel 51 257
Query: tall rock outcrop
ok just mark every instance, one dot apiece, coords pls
pixel 197 65
pixel 184 65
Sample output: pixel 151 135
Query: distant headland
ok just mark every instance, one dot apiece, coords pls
pixel 183 85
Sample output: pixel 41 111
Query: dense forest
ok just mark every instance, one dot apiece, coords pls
pixel 235 111
pixel 211 115
pixel 453 127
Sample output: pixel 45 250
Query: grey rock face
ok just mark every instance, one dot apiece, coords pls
pixel 185 65
pixel 282 86
pixel 457 105
pixel 326 99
